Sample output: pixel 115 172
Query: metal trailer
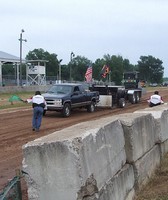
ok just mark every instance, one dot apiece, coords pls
pixel 131 91
pixel 119 94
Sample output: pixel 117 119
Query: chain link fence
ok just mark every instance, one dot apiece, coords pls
pixel 11 80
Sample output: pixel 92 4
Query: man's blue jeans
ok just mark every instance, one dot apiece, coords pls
pixel 37 117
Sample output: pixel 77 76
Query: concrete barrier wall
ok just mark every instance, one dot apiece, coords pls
pixel 160 114
pixel 105 159
pixel 139 130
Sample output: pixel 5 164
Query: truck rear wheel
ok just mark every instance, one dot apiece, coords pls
pixel 132 98
pixel 91 107
pixel 66 110
pixel 121 103
pixel 137 98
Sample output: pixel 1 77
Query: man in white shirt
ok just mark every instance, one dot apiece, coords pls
pixel 155 99
pixel 38 104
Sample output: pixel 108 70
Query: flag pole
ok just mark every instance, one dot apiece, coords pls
pixel 109 76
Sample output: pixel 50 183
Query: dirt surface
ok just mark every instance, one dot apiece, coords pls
pixel 16 130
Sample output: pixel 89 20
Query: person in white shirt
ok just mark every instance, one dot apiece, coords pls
pixel 155 99
pixel 38 104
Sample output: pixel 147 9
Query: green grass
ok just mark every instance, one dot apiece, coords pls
pixel 4 100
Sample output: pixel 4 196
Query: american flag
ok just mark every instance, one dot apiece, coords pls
pixel 88 74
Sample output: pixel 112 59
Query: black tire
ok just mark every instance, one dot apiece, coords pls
pixel 121 103
pixel 66 112
pixel 91 107
pixel 132 98
pixel 137 98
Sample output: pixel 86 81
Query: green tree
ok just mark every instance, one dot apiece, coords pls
pixel 97 67
pixel 127 66
pixel 8 69
pixel 151 69
pixel 116 65
pixel 79 66
pixel 117 69
pixel 65 72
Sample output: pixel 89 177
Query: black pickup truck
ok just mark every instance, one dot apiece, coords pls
pixel 66 96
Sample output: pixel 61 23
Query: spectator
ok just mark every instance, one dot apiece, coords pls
pixel 155 99
pixel 38 104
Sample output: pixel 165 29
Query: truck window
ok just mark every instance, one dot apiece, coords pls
pixel 76 89
pixel 58 89
pixel 81 88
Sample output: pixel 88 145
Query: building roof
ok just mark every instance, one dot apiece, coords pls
pixel 6 57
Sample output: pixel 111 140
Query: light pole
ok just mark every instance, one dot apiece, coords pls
pixel 21 40
pixel 71 57
pixel 59 62
pixel 15 72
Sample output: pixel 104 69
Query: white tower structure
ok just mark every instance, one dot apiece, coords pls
pixel 36 72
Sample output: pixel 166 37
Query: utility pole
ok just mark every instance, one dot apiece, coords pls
pixel 59 62
pixel 71 58
pixel 21 40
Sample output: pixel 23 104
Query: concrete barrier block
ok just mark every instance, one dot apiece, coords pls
pixel 73 159
pixel 130 195
pixel 163 148
pixel 160 113
pixel 120 187
pixel 146 166
pixel 139 133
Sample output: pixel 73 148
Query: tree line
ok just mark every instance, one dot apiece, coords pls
pixel 150 68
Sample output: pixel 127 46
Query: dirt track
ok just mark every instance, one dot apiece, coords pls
pixel 16 130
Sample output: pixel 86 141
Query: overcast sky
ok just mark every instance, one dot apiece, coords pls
pixel 90 28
